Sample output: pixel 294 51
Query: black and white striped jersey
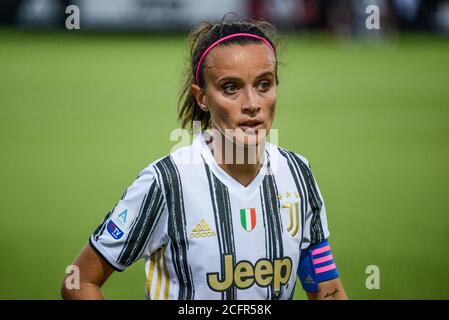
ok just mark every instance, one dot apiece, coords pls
pixel 203 235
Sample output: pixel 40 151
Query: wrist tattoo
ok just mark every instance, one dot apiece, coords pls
pixel 331 294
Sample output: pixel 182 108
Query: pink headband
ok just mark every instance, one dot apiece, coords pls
pixel 213 45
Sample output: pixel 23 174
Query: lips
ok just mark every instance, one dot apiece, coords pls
pixel 251 125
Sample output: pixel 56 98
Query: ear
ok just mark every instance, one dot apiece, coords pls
pixel 200 97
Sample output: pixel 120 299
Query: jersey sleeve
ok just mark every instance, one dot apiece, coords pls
pixel 315 226
pixel 136 226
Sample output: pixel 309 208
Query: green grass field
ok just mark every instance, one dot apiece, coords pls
pixel 81 115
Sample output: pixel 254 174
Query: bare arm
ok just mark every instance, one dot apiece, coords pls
pixel 94 271
pixel 329 290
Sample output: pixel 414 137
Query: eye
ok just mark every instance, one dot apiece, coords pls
pixel 230 88
pixel 264 86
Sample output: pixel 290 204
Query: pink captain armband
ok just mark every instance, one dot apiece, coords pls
pixel 316 264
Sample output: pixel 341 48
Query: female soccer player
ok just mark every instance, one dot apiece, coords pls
pixel 231 216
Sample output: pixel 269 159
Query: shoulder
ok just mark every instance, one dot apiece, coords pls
pixel 169 165
pixel 286 155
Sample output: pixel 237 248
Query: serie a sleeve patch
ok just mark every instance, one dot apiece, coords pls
pixel 316 264
pixel 120 221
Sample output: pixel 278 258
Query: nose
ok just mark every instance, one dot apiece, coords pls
pixel 251 104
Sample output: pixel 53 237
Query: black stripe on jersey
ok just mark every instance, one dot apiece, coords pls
pixel 292 295
pixel 172 187
pixel 268 246
pixel 147 219
pixel 100 229
pixel 300 186
pixel 316 227
pixel 316 233
pixel 217 224
pixel 223 223
pixel 271 209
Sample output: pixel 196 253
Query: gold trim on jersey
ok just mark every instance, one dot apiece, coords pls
pixel 167 275
pixel 158 260
pixel 159 276
pixel 202 230
pixel 294 217
pixel 150 274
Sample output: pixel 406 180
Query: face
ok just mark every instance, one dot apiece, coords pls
pixel 240 91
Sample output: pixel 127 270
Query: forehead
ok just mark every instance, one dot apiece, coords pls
pixel 239 60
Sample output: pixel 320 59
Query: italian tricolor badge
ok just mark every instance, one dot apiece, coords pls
pixel 248 218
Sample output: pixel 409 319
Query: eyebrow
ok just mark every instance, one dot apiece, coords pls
pixel 264 74
pixel 233 78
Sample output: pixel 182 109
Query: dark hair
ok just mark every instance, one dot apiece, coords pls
pixel 199 39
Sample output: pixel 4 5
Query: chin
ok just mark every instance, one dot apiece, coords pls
pixel 249 140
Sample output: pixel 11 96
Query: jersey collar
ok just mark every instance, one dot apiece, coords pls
pixel 233 185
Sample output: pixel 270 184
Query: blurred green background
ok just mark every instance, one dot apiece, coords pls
pixel 82 114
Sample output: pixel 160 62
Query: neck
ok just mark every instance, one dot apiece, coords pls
pixel 242 163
